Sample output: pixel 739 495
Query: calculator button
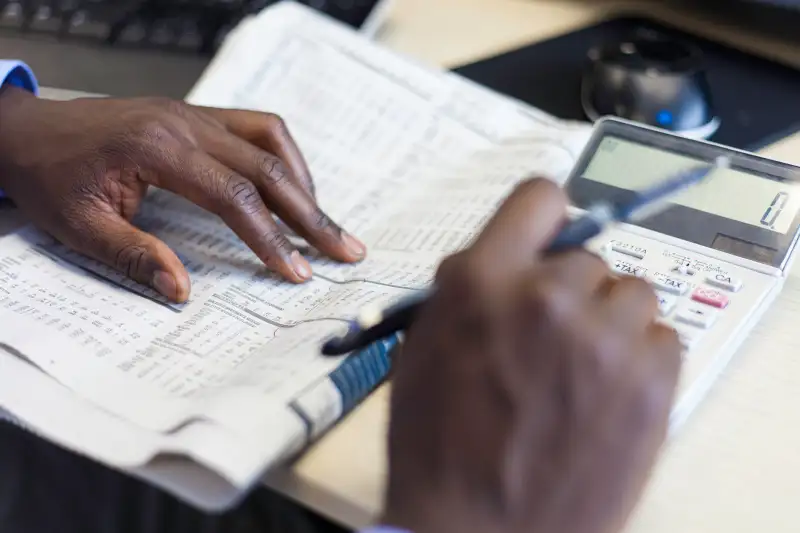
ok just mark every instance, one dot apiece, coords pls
pixel 666 303
pixel 711 297
pixel 669 284
pixel 688 339
pixel 627 269
pixel 684 270
pixel 623 249
pixel 697 316
pixel 724 281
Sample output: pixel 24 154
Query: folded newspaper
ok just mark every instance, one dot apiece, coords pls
pixel 203 398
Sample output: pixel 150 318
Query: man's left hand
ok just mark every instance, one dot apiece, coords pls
pixel 80 170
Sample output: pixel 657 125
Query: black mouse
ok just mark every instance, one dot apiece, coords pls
pixel 651 80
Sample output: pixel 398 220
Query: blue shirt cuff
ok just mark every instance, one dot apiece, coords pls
pixel 383 529
pixel 20 75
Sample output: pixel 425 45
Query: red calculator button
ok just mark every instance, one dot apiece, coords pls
pixel 711 297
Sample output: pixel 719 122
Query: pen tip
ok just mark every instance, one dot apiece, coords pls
pixel 331 347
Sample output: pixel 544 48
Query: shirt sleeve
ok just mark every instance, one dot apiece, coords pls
pixel 20 75
pixel 383 529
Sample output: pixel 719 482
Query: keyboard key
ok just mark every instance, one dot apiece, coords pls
pixel 133 33
pixel 44 20
pixel 669 284
pixel 80 24
pixel 154 24
pixel 163 33
pixel 711 297
pixel 666 303
pixel 724 281
pixel 12 15
pixel 696 315
pixel 628 269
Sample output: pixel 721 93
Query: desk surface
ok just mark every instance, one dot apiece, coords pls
pixel 735 465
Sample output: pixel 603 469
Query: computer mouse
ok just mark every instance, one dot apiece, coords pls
pixel 651 80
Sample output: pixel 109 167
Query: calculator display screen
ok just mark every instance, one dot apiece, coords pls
pixel 730 193
pixel 751 209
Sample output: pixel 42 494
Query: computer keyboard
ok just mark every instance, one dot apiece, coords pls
pixel 194 26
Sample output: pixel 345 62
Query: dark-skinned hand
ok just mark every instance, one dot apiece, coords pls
pixel 533 393
pixel 79 170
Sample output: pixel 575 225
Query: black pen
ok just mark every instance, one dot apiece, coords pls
pixel 373 325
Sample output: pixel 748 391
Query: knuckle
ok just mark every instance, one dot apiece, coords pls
pixel 158 101
pixel 168 105
pixel 592 260
pixel 321 222
pixel 603 351
pixel 241 194
pixel 639 286
pixel 668 348
pixel 550 302
pixel 130 259
pixel 644 296
pixel 275 240
pixel 153 131
pixel 272 168
pixel 652 400
pixel 176 107
pixel 274 123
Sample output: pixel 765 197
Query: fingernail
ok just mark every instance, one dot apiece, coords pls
pixel 300 265
pixel 183 287
pixel 165 283
pixel 354 246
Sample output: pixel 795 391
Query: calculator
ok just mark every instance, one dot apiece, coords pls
pixel 717 255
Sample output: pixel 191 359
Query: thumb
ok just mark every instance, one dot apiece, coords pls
pixel 109 238
pixel 525 222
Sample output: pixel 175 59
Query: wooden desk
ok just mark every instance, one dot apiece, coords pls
pixel 735 466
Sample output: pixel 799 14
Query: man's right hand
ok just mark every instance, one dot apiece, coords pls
pixel 533 393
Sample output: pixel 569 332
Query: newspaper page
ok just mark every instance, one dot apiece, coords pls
pixel 411 160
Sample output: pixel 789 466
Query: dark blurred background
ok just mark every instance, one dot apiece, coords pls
pixel 160 47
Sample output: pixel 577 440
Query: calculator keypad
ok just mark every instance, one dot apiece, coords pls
pixel 711 299
pixel 692 294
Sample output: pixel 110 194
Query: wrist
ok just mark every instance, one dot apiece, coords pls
pixel 16 81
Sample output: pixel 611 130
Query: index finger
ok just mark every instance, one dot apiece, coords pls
pixel 268 132
pixel 282 194
pixel 523 225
